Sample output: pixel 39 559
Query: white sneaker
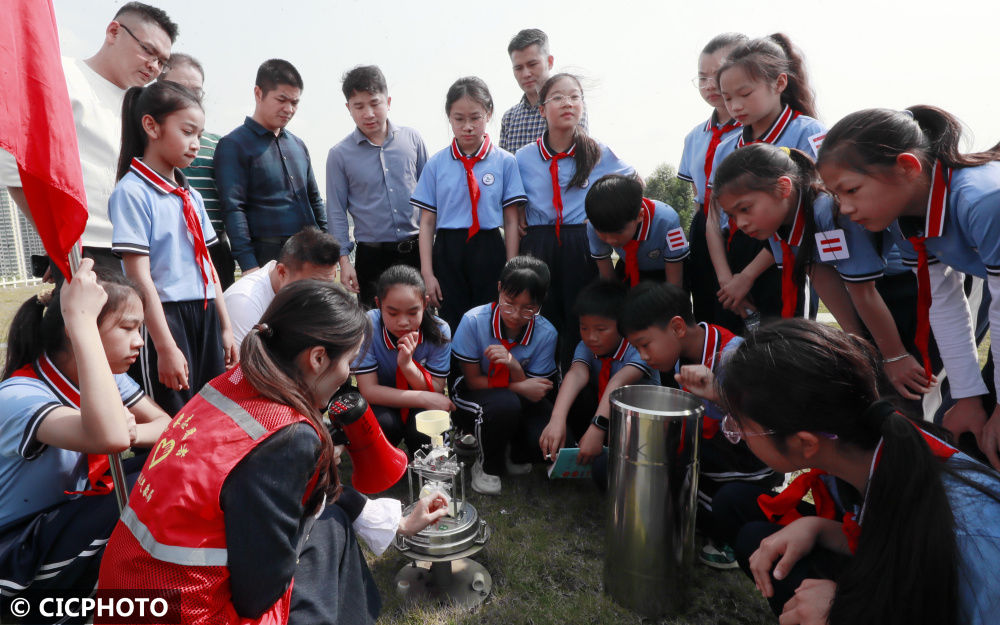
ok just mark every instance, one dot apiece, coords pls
pixel 484 483
pixel 516 468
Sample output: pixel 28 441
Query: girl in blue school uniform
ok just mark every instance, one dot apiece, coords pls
pixel 506 365
pixel 891 501
pixel 774 194
pixel 902 171
pixel 557 170
pixel 65 401
pixel 407 362
pixel 697 160
pixel 646 234
pixel 465 194
pixel 162 233
pixel 764 85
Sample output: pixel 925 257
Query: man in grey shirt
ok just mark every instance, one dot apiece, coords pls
pixel 371 174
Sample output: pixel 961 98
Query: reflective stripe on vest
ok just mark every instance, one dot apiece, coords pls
pixel 237 413
pixel 184 556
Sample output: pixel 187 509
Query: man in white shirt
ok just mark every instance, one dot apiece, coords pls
pixel 135 50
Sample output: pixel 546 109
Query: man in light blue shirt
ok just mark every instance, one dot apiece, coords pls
pixel 371 174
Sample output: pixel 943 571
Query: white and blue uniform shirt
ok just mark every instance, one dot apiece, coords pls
pixel 33 475
pixel 383 351
pixel 533 161
pixel 695 159
pixel 481 327
pixel 963 230
pixel 149 220
pixel 660 236
pixel 718 345
pixel 840 242
pixel 625 355
pixel 443 187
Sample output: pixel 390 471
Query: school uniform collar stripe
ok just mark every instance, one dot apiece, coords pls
pixel 713 122
pixel 393 345
pixel 480 154
pixel 65 390
pixel 620 352
pixel 154 179
pixel 647 211
pixel 710 346
pixel 798 226
pixel 496 326
pixel 547 152
pixel 773 133
pixel 937 201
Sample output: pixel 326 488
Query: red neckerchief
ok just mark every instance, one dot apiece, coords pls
pixel 716 339
pixel 937 212
pixel 789 290
pixel 631 249
pixel 401 382
pixel 191 219
pixel 470 178
pixel 605 374
pixel 773 134
pixel 547 155
pixel 717 133
pixel 499 374
pixel 97 464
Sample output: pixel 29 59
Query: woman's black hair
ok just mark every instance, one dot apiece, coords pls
pixel 38 325
pixel 304 314
pixel 768 57
pixel 602 298
pixel 408 276
pixel 724 40
pixel 158 100
pixel 613 201
pixel 757 167
pixel 874 138
pixel 471 87
pixel 525 273
pixel 588 151
pixel 829 383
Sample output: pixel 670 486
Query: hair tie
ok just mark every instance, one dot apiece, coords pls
pixel 785 150
pixel 907 112
pixel 44 299
pixel 264 330
pixel 877 413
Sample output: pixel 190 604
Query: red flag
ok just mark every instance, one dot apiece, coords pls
pixel 36 125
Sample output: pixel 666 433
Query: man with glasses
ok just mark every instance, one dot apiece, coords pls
pixel 136 48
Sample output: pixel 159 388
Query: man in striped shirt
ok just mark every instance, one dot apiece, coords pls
pixel 187 71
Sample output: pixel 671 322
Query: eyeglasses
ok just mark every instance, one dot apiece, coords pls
pixel 700 82
pixel 559 100
pixel 147 51
pixel 734 434
pixel 524 313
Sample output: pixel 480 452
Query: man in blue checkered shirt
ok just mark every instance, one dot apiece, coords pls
pixel 531 62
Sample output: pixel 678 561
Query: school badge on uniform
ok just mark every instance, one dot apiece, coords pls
pixel 676 239
pixel 654 253
pixel 832 245
pixel 488 179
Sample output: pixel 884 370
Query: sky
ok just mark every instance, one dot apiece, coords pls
pixel 637 58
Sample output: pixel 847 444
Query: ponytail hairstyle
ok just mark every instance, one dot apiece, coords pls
pixel 873 138
pixel 830 385
pixel 158 100
pixel 38 325
pixel 304 314
pixel 470 87
pixel 588 151
pixel 406 275
pixel 757 167
pixel 766 58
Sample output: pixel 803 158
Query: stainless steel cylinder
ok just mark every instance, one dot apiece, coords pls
pixel 653 487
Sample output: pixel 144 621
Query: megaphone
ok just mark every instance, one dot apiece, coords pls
pixel 377 464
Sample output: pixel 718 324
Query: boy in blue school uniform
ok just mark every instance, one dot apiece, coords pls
pixel 506 362
pixel 657 319
pixel 371 174
pixel 602 362
pixel 646 234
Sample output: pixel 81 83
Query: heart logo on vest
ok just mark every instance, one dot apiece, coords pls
pixel 163 449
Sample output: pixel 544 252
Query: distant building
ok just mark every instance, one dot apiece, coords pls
pixel 18 240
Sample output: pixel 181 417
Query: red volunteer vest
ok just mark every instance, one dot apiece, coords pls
pixel 172 534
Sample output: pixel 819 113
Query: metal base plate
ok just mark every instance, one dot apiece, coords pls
pixel 463 582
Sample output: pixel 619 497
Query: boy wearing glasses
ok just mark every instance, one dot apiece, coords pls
pixel 136 48
pixel 657 319
pixel 504 375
